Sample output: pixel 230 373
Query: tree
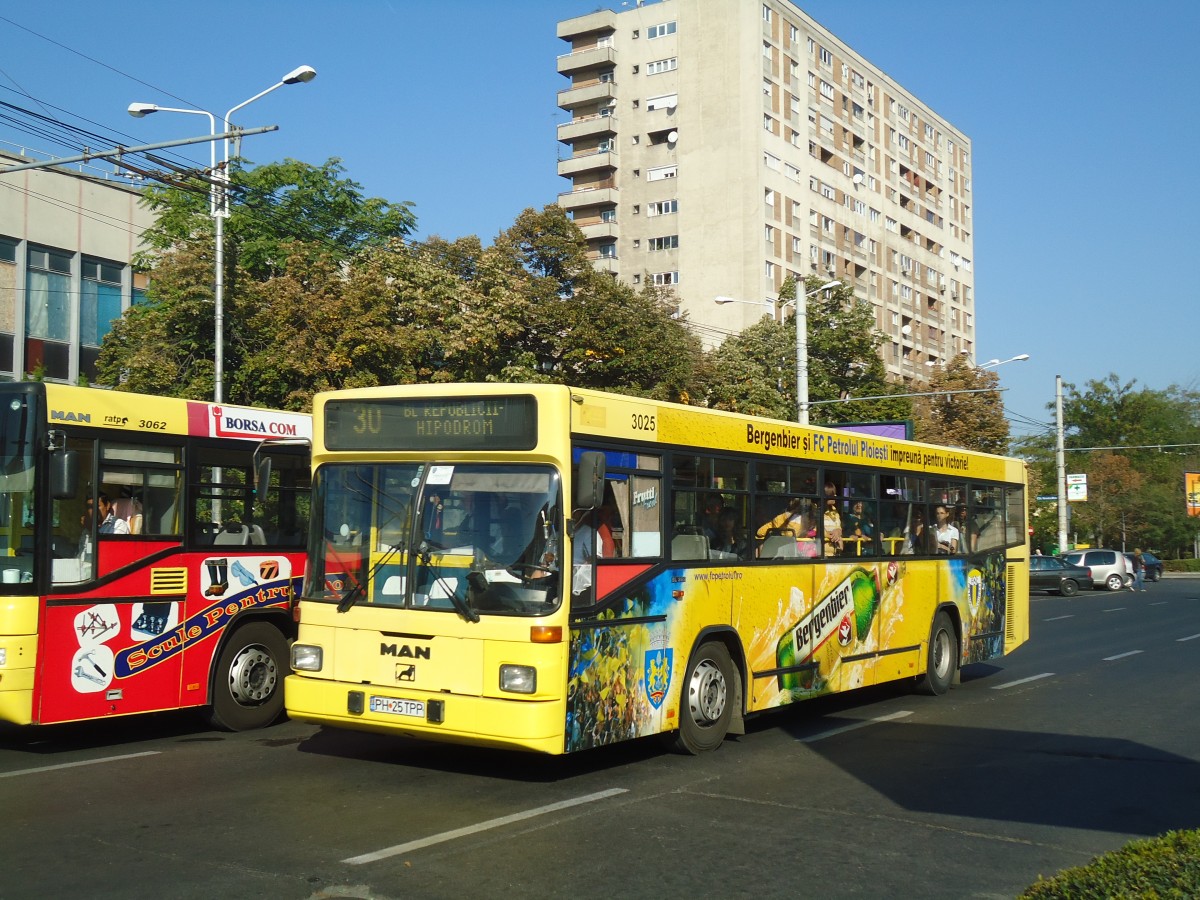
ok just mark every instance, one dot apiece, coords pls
pixel 1155 433
pixel 293 222
pixel 274 205
pixel 754 371
pixel 973 421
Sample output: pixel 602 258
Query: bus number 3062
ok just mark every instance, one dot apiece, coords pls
pixel 643 422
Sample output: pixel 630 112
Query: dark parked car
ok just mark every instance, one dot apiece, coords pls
pixel 1154 565
pixel 1049 573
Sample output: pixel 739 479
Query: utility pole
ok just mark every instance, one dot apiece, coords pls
pixel 1060 458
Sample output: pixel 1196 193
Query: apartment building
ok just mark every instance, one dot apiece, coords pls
pixel 66 241
pixel 720 146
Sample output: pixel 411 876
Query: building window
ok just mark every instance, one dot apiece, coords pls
pixel 826 90
pixel 662 208
pixel 670 242
pixel 662 172
pixel 766 14
pixel 608 215
pixel 666 101
pixel 99 300
pixel 48 312
pixel 608 251
pixel 657 31
pixel 664 278
pixel 826 57
pixel 662 65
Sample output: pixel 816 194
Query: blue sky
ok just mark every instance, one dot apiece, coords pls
pixel 1083 117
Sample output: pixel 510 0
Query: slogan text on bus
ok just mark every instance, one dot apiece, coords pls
pixel 852 449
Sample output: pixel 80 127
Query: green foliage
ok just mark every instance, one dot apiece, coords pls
pixel 955 418
pixel 359 306
pixel 1167 866
pixel 754 372
pixel 1156 435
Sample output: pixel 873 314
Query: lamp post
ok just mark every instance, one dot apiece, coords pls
pixel 801 302
pixel 993 363
pixel 802 403
pixel 218 207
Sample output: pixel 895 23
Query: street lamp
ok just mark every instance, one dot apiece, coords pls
pixel 992 363
pixel 218 208
pixel 801 302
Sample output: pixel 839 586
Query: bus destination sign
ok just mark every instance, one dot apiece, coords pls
pixel 444 423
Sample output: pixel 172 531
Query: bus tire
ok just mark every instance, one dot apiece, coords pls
pixel 943 657
pixel 247 691
pixel 706 700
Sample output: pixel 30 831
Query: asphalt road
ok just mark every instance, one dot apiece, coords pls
pixel 1080 741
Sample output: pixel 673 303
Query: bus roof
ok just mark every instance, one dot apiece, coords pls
pixel 145 414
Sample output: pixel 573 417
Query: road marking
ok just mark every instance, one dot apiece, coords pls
pixel 825 734
pixel 1114 609
pixel 1001 687
pixel 1057 618
pixel 1190 637
pixel 71 765
pixel 481 826
pixel 1122 655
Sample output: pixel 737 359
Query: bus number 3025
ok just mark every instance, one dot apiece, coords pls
pixel 642 422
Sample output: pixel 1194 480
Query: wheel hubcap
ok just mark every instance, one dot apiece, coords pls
pixel 707 693
pixel 941 653
pixel 253 676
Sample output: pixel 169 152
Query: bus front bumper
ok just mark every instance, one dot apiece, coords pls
pixel 477 721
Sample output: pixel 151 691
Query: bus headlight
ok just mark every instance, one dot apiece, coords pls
pixel 307 657
pixel 518 679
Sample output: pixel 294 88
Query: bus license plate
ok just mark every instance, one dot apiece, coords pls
pixel 397 707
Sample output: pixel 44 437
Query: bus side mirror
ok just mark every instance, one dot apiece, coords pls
pixel 262 477
pixel 589 482
pixel 64 474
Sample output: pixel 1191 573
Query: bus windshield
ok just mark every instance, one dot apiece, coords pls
pixel 469 539
pixel 18 424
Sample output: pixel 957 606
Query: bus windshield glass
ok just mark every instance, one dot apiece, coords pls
pixel 18 423
pixel 468 539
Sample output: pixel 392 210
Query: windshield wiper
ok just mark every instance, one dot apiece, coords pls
pixel 422 557
pixel 357 592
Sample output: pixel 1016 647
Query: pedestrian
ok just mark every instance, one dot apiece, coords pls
pixel 1139 570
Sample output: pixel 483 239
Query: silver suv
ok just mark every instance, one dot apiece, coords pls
pixel 1109 567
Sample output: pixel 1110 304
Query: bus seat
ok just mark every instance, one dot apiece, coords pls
pixel 779 546
pixel 256 535
pixel 123 508
pixel 232 533
pixel 689 546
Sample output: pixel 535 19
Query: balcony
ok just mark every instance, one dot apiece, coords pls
pixel 587 162
pixel 602 195
pixel 586 127
pixel 589 58
pixel 606 264
pixel 599 231
pixel 599 22
pixel 601 91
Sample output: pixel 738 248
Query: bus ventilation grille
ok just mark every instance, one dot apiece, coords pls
pixel 168 581
pixel 1010 589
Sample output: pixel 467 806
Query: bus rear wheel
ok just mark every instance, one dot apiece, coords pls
pixel 943 657
pixel 706 704
pixel 248 680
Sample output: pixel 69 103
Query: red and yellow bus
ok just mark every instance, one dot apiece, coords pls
pixel 554 569
pixel 139 569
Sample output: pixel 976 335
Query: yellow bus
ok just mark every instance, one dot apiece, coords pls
pixel 553 569
pixel 140 569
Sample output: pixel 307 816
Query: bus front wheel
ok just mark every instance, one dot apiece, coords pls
pixel 248 681
pixel 706 704
pixel 943 657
